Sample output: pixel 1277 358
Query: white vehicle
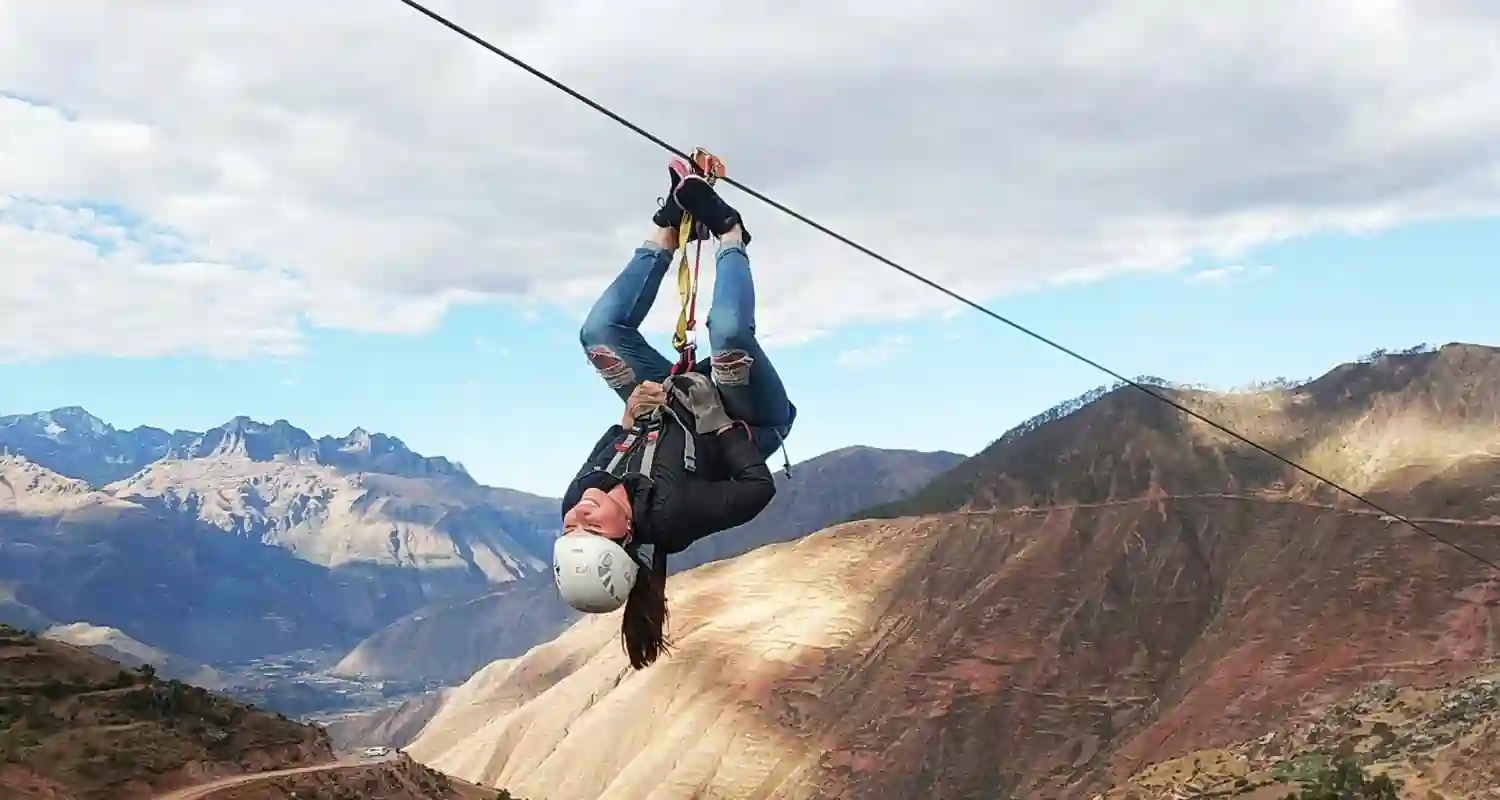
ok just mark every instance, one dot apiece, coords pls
pixel 375 751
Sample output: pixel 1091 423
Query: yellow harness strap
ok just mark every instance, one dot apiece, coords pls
pixel 683 339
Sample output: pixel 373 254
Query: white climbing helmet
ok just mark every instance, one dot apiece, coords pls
pixel 593 573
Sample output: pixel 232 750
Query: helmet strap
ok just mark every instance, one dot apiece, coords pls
pixel 633 550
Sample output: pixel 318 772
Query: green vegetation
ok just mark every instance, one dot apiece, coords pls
pixel 84 722
pixel 12 635
pixel 1319 777
pixel 1345 779
pixel 1414 350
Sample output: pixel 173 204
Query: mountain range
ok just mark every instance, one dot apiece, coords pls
pixel 1104 600
pixel 223 546
pixel 1113 599
pixel 245 539
pixel 71 441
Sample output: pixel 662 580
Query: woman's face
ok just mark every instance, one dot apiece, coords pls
pixel 604 514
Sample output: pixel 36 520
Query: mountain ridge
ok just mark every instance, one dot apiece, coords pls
pixel 1267 414
pixel 390 546
pixel 392 528
pixel 114 645
pixel 1106 590
pixel 73 442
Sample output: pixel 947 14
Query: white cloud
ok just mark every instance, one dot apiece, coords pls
pixel 357 165
pixel 484 345
pixel 1223 274
pixel 877 353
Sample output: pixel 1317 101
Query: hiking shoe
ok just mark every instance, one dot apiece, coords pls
pixel 669 215
pixel 699 199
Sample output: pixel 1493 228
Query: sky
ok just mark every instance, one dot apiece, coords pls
pixel 349 216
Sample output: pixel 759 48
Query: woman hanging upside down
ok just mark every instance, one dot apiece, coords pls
pixel 715 425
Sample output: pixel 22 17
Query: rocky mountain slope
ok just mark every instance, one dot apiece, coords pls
pixel 1109 587
pixel 116 646
pixel 451 640
pixel 69 553
pixel 397 726
pixel 75 726
pixel 451 539
pixel 448 641
pixel 357 531
pixel 1438 743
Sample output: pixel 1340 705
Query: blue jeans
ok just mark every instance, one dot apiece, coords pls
pixel 751 389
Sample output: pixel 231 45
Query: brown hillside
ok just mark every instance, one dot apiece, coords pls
pixel 395 726
pixel 1104 591
pixel 1441 743
pixel 1370 426
pixel 75 726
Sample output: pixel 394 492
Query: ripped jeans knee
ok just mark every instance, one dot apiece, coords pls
pixel 732 367
pixel 615 371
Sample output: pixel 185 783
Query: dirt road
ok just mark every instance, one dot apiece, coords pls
pixel 205 789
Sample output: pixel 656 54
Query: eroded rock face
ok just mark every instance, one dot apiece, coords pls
pixel 1114 588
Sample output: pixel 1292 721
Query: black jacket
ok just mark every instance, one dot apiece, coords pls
pixel 732 484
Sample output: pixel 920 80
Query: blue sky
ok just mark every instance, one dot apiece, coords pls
pixel 472 389
pixel 211 200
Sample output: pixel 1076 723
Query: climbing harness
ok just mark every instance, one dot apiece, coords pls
pixel 644 435
pixel 684 339
pixel 638 448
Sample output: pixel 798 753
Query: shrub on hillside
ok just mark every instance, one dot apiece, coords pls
pixel 1345 779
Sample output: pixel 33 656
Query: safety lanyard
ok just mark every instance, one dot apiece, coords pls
pixel 684 339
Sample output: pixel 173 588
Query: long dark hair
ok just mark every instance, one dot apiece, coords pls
pixel 643 628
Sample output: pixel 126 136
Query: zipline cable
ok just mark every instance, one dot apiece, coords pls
pixel 659 142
